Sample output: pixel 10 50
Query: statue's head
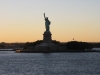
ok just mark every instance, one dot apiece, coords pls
pixel 47 18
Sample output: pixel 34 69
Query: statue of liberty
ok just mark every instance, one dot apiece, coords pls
pixel 47 23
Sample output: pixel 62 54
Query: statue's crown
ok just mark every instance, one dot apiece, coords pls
pixel 46 17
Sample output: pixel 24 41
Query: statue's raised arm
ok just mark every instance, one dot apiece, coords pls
pixel 44 15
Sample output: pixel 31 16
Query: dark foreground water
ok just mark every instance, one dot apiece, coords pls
pixel 12 63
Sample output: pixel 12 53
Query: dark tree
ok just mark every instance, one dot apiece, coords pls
pixel 78 46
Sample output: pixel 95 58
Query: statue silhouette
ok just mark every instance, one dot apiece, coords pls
pixel 47 23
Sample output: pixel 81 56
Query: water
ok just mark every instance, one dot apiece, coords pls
pixel 12 63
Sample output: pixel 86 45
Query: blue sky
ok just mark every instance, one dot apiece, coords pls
pixel 22 20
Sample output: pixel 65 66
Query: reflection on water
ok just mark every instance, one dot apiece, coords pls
pixel 12 63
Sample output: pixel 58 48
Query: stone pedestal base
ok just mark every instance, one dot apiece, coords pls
pixel 47 37
pixel 47 43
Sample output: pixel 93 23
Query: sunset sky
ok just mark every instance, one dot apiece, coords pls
pixel 23 20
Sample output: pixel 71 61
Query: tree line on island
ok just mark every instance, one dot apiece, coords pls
pixel 70 46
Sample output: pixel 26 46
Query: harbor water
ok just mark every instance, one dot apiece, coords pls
pixel 86 63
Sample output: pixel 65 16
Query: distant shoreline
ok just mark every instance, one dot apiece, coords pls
pixel 48 51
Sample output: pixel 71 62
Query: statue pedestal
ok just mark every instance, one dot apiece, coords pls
pixel 47 43
pixel 47 37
